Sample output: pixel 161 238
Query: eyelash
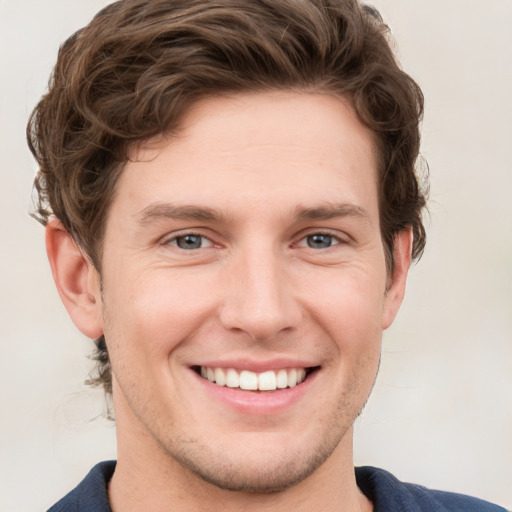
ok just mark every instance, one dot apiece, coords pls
pixel 302 242
pixel 335 238
pixel 188 234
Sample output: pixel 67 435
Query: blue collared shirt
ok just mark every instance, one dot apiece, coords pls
pixel 386 492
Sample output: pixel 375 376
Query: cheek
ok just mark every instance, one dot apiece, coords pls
pixel 350 306
pixel 149 317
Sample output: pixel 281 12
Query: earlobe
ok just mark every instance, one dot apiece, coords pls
pixel 77 281
pixel 402 249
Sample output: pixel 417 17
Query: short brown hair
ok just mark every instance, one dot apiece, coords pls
pixel 138 66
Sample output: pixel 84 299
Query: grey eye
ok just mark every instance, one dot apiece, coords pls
pixel 189 242
pixel 319 241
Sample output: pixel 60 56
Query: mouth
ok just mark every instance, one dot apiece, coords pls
pixel 270 380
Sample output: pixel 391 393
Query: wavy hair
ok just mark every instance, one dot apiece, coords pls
pixel 133 72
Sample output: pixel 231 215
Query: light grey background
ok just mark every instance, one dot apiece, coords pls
pixel 441 413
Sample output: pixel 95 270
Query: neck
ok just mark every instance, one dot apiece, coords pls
pixel 159 483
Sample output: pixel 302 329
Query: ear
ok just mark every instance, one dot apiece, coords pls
pixel 402 249
pixel 77 280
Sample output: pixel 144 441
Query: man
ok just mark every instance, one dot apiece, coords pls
pixel 231 210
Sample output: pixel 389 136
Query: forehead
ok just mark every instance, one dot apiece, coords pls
pixel 272 147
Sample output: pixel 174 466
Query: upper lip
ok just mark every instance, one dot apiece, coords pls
pixel 257 366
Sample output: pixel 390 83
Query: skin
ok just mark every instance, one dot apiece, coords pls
pixel 254 177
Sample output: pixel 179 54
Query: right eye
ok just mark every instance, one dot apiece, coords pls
pixel 190 241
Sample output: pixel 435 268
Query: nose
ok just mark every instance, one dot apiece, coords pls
pixel 259 296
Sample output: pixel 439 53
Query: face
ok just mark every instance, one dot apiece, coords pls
pixel 245 289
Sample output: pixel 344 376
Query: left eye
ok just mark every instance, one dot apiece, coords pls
pixel 190 242
pixel 320 241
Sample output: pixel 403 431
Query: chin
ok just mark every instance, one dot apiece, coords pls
pixel 267 468
pixel 267 477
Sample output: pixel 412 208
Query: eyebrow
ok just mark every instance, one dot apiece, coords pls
pixel 159 211
pixel 326 211
pixel 330 211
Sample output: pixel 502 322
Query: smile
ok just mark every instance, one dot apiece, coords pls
pixel 247 380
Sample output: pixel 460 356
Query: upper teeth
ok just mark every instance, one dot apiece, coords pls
pixel 245 379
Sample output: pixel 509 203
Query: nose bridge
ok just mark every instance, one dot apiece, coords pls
pixel 260 299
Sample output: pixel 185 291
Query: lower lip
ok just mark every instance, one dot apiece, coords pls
pixel 257 403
